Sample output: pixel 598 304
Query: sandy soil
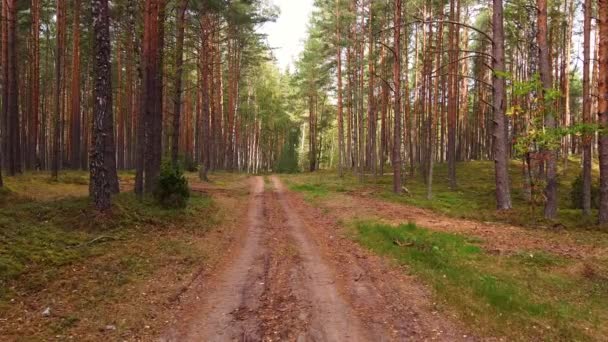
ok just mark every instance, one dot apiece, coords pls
pixel 293 278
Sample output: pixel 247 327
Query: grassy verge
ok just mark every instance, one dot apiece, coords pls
pixel 117 270
pixel 472 199
pixel 527 296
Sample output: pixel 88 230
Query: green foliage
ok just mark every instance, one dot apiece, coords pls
pixel 189 164
pixel 312 190
pixel 576 194
pixel 172 190
pixel 288 161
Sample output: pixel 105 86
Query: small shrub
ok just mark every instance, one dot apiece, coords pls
pixel 172 190
pixel 190 164
pixel 576 194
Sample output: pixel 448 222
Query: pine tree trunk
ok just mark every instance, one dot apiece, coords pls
pixel 587 107
pixel 102 107
pixel 150 130
pixel 179 62
pixel 603 107
pixel 500 145
pixel 205 76
pixel 12 141
pixel 397 93
pixel 452 94
pixel 340 100
pixel 76 123
pixel 34 87
pixel 59 60
pixel 548 108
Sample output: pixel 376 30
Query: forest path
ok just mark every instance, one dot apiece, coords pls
pixel 294 278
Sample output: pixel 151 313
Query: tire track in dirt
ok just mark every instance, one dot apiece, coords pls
pixel 332 317
pixel 292 280
pixel 391 305
pixel 226 313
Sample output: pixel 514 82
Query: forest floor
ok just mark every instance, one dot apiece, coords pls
pixel 535 281
pixel 67 273
pixel 306 257
pixel 296 278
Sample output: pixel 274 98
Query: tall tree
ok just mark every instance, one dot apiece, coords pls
pixel 586 108
pixel 603 107
pixel 75 93
pixel 34 88
pixel 59 60
pixel 546 106
pixel 452 93
pixel 179 64
pixel 102 107
pixel 396 160
pixel 501 151
pixel 150 130
pixel 339 90
pixel 10 98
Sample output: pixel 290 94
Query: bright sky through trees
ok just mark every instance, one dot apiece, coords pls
pixel 287 34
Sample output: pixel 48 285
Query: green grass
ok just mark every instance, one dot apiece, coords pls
pixel 311 190
pixel 530 295
pixel 39 236
pixel 474 198
pixel 57 251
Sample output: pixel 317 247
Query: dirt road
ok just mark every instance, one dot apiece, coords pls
pixel 294 278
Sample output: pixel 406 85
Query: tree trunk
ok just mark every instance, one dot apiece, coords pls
pixel 340 100
pixel 452 94
pixel 547 107
pixel 59 59
pixel 102 108
pixel 501 151
pixel 34 87
pixel 588 8
pixel 371 103
pixel 149 132
pixel 205 76
pixel 76 146
pixel 179 62
pixel 12 141
pixel 603 107
pixel 397 92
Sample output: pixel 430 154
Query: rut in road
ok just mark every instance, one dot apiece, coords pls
pixel 285 284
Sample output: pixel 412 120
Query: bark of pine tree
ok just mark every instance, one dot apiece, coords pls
pixel 10 103
pixel 587 108
pixel 371 102
pixel 452 94
pixel 340 100
pixel 397 93
pixel 102 108
pixel 150 127
pixel 205 62
pixel 501 147
pixel 179 62
pixel 59 60
pixel 547 107
pixel 76 122
pixel 34 94
pixel 603 107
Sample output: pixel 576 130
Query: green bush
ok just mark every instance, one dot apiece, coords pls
pixel 190 164
pixel 576 194
pixel 172 190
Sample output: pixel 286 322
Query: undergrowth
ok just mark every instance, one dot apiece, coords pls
pixel 473 198
pixel 38 236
